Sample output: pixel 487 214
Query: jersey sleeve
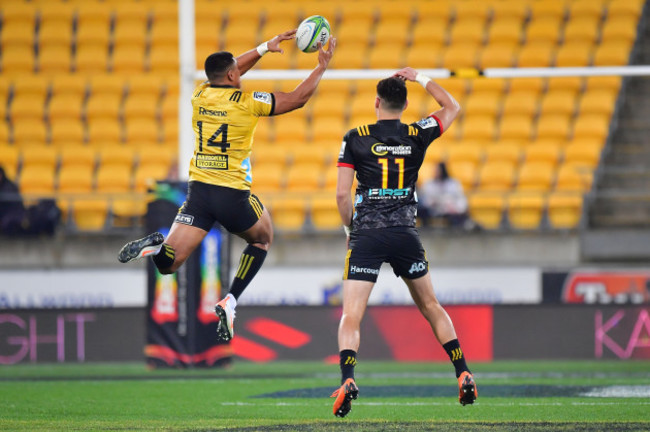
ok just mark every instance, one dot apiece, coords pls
pixel 429 128
pixel 262 104
pixel 345 155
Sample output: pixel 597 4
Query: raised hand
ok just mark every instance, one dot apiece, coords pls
pixel 324 56
pixel 274 44
pixel 407 74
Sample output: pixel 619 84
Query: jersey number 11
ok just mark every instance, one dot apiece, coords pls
pixel 384 172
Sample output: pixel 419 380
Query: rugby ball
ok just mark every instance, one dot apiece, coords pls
pixel 311 31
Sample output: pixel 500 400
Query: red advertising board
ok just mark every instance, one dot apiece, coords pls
pixel 387 333
pixel 605 287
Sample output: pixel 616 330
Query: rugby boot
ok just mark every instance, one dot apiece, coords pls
pixel 226 314
pixel 344 394
pixel 467 391
pixel 137 249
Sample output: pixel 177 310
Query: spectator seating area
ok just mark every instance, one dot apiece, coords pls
pixel 89 100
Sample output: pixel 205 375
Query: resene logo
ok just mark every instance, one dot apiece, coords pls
pixel 381 149
pixel 214 113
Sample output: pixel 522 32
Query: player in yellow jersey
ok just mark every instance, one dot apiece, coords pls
pixel 224 121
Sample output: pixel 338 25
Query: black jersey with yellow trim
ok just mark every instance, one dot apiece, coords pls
pixel 387 156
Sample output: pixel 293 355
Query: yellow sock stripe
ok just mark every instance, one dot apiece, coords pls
pixel 456 354
pixel 169 251
pixel 248 266
pixel 347 264
pixel 244 266
pixel 241 264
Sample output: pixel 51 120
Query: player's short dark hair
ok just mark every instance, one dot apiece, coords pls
pixel 218 64
pixel 393 92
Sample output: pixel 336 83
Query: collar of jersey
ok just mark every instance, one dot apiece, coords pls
pixel 221 86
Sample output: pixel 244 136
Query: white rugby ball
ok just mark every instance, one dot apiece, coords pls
pixel 311 31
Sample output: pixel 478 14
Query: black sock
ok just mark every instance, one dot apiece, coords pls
pixel 456 356
pixel 348 360
pixel 249 264
pixel 164 259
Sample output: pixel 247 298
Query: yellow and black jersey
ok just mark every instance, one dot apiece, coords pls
pixel 224 120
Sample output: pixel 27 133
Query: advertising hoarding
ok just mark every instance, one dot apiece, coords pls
pixel 399 333
pixel 322 286
pixel 71 335
pixel 73 288
pixel 597 286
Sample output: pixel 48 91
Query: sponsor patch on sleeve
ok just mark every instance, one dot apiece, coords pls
pixel 342 152
pixel 263 97
pixel 427 123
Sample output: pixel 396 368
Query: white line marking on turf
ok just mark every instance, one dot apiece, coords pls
pixel 492 375
pixel 619 391
pixel 484 402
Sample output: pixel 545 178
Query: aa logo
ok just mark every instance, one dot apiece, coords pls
pixel 417 267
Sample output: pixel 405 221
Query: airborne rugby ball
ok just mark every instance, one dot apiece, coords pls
pixel 311 31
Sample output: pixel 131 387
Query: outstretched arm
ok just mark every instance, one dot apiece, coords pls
pixel 344 194
pixel 449 106
pixel 285 102
pixel 249 58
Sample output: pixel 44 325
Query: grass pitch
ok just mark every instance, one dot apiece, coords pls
pixel 513 396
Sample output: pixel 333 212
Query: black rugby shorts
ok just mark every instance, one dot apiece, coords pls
pixel 234 209
pixel 398 246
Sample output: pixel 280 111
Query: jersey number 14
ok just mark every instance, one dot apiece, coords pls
pixel 212 141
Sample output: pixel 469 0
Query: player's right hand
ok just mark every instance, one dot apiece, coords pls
pixel 407 74
pixel 324 57
pixel 274 44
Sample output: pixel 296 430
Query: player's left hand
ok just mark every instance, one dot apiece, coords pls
pixel 274 44
pixel 407 74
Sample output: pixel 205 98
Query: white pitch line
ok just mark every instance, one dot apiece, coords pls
pixel 619 391
pixel 484 402
pixel 492 375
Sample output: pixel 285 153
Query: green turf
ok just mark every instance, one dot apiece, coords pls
pixel 243 398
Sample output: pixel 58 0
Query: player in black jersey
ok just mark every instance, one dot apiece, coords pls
pixel 381 222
